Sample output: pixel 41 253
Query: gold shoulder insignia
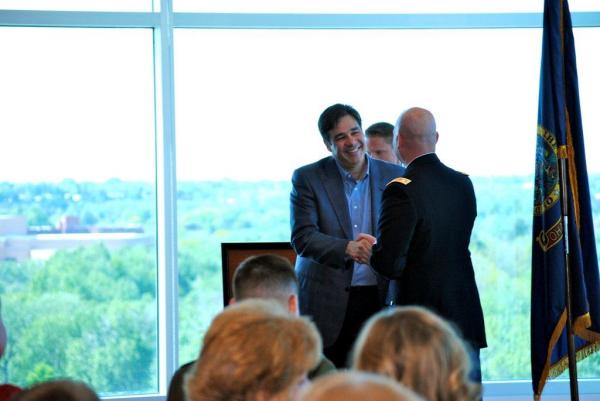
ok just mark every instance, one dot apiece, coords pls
pixel 400 180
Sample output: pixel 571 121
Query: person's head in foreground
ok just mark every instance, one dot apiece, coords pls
pixel 267 277
pixel 418 349
pixel 58 390
pixel 357 386
pixel 254 350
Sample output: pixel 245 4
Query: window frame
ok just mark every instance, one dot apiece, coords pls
pixel 163 22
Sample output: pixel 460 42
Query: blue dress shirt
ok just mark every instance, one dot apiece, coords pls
pixel 358 198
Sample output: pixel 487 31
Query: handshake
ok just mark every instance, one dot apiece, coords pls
pixel 360 249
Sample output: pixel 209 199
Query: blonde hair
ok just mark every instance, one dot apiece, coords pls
pixel 357 386
pixel 254 347
pixel 418 349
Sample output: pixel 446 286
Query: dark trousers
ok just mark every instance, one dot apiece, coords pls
pixel 475 374
pixel 363 303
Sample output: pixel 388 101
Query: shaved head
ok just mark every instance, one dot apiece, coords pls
pixel 416 134
pixel 418 124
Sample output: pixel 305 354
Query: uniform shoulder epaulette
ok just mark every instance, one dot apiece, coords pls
pixel 400 180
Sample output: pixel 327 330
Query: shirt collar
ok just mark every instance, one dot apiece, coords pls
pixel 347 175
pixel 418 157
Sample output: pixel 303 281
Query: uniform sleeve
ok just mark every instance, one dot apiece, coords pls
pixel 308 238
pixel 395 229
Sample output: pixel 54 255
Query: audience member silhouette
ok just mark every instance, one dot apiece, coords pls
pixel 254 351
pixel 266 277
pixel 357 386
pixel 420 350
pixel 58 390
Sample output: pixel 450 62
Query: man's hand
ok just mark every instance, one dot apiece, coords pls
pixel 360 250
pixel 368 237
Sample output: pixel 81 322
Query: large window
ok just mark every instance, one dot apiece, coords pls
pixel 248 102
pixel 94 106
pixel 77 207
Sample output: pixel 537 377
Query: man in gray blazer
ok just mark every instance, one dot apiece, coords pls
pixel 334 211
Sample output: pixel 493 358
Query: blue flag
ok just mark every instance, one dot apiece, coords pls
pixel 560 136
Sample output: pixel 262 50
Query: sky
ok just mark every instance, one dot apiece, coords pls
pixel 78 103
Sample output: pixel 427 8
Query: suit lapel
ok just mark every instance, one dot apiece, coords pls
pixel 332 181
pixel 377 186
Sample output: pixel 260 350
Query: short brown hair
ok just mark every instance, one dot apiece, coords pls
pixel 383 130
pixel 420 350
pixel 265 276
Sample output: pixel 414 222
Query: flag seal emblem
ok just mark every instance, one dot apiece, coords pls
pixel 547 187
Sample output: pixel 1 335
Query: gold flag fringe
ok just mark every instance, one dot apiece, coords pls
pixel 580 328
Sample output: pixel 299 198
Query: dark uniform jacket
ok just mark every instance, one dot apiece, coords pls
pixel 423 241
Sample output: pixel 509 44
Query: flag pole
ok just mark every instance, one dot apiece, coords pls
pixel 562 171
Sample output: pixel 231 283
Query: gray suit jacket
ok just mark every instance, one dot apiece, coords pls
pixel 321 230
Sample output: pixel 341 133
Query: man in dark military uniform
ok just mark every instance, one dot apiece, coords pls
pixel 424 231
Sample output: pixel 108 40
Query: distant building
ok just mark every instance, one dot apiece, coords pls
pixel 20 242
pixel 70 224
pixel 13 225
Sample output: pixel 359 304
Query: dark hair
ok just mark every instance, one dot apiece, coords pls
pixel 58 390
pixel 383 130
pixel 332 115
pixel 264 276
